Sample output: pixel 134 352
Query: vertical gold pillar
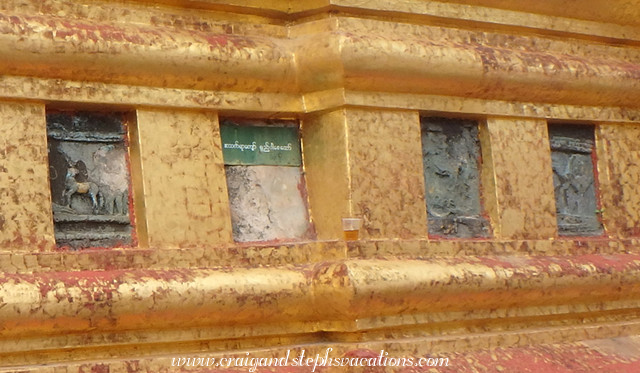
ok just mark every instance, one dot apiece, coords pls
pixel 183 179
pixel 518 179
pixel 618 153
pixel 324 140
pixel 368 164
pixel 25 199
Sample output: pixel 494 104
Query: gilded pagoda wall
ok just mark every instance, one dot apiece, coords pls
pixel 521 199
pixel 26 211
pixel 358 76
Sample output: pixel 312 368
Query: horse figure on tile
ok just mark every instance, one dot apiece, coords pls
pixel 72 186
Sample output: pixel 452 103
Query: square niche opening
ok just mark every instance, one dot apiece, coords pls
pixel 89 179
pixel 267 193
pixel 572 160
pixel 451 162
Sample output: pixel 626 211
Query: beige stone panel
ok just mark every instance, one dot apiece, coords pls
pixel 618 154
pixel 518 179
pixel 26 221
pixel 324 143
pixel 185 192
pixel 385 162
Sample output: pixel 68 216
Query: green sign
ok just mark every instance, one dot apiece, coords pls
pixel 259 145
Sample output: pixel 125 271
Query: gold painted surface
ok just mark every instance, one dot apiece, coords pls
pixel 73 93
pixel 234 255
pixel 300 253
pixel 385 163
pixel 112 52
pixel 159 358
pixel 255 103
pixel 451 347
pixel 137 183
pixel 317 46
pixel 324 100
pixel 341 52
pixel 501 39
pixel 110 301
pixel 488 182
pixel 184 183
pixel 458 62
pixel 447 298
pixel 499 320
pixel 623 12
pixel 415 249
pixel 324 139
pixel 193 290
pixel 397 287
pixel 518 179
pixel 358 166
pixel 178 258
pixel 618 153
pixel 186 14
pixel 26 220
pixel 501 14
pixel 552 15
pixel 450 104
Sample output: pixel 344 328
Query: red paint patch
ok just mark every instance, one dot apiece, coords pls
pixel 558 358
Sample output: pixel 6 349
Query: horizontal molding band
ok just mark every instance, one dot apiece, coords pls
pixel 584 19
pixel 68 92
pixel 298 253
pixel 355 54
pixel 156 357
pixel 64 93
pixel 142 55
pixel 562 21
pixel 316 295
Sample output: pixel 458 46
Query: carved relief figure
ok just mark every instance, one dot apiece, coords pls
pixel 73 186
pixel 111 175
pixel 574 179
pixel 451 152
pixel 573 185
pixel 99 172
pixel 89 179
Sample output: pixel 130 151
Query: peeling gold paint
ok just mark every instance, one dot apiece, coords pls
pixel 428 297
pixel 343 52
pixel 387 183
pixel 26 220
pixel 518 180
pixel 359 165
pixel 185 192
pixel 358 75
pixel 618 152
